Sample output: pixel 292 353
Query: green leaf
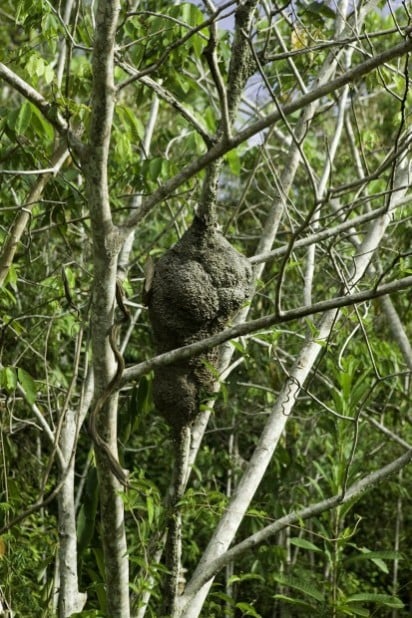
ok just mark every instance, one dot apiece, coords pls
pixel 123 146
pixel 383 555
pixel 198 44
pixel 35 65
pixel 292 601
pixel 155 168
pixel 130 122
pixel 245 577
pixel 43 128
pixel 381 599
pixel 48 74
pixel 12 276
pixel 304 544
pixel 150 509
pixel 234 161
pixel 320 8
pixel 377 557
pixel 8 378
pixel 302 586
pixel 240 346
pixel 142 394
pixel 190 13
pixel 248 610
pixel 28 384
pixel 23 118
pixel 353 610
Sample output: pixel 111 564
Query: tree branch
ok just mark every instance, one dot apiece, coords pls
pixel 324 234
pixel 106 247
pixel 131 373
pixel 31 94
pixel 225 145
pixel 17 229
pixel 103 99
pixel 354 492
pixel 169 98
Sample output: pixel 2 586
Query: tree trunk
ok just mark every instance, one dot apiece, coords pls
pixel 70 599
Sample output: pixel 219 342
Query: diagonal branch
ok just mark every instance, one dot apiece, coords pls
pixel 47 109
pixel 354 492
pixel 326 233
pixel 239 330
pixel 16 231
pixel 225 532
pixel 225 145
pixel 169 98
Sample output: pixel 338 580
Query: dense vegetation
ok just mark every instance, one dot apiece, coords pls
pixel 292 122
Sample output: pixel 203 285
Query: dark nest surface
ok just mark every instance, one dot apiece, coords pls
pixel 198 285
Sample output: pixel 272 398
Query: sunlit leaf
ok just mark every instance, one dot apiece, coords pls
pixel 28 384
pixel 303 544
pixel 380 599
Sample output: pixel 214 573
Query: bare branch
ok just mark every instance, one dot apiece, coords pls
pixel 45 427
pixel 211 56
pixel 131 373
pixel 175 44
pixel 224 146
pixel 169 98
pixel 15 233
pixel 354 492
pixel 323 234
pixel 383 429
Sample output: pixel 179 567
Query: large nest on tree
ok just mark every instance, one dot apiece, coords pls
pixel 198 285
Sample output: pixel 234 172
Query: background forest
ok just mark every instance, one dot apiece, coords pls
pixel 248 455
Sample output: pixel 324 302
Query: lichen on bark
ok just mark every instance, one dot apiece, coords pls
pixel 198 286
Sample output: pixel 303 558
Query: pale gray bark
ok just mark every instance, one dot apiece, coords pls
pixel 397 329
pixel 356 490
pixel 224 146
pixel 325 233
pixel 393 320
pixel 106 246
pixel 70 599
pixel 192 600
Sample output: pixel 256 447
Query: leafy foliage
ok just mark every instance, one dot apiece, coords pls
pixel 351 417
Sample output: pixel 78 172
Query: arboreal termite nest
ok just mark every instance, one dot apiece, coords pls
pixel 198 285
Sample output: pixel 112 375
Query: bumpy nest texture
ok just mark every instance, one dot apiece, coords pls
pixel 198 285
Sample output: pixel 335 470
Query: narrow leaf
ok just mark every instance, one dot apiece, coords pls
pixel 380 599
pixel 23 118
pixel 303 586
pixel 304 544
pixel 28 384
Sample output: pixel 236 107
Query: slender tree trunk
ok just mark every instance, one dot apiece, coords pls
pixel 190 604
pixel 70 599
pixel 106 247
pixel 113 534
pixel 173 548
